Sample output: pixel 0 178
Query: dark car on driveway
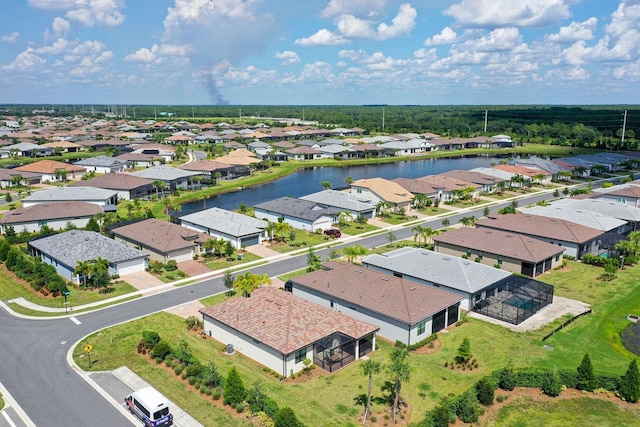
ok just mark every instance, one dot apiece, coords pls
pixel 333 232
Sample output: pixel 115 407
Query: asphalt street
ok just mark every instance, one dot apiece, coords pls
pixel 34 352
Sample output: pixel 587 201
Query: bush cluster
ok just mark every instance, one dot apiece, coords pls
pixel 431 338
pixel 38 274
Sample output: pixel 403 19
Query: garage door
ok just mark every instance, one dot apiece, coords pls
pixel 250 241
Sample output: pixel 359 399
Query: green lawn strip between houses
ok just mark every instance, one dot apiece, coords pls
pixel 493 347
pixel 523 412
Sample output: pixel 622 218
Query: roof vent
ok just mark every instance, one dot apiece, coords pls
pixel 386 279
pixel 413 288
pixel 358 271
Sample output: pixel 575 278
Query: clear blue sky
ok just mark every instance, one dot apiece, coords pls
pixel 320 51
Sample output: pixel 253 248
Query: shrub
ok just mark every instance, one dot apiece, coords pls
pixel 184 375
pixel 161 350
pixel 431 338
pixel 210 375
pixel 193 323
pixel 178 369
pixel 486 391
pixel 171 265
pixel 285 417
pixel 586 378
pixel 507 379
pixel 150 339
pixel 552 385
pixel 192 380
pixel 216 394
pixel 630 383
pixel 239 408
pixel 234 391
pixel 195 370
pixel 468 407
pixel 464 351
pixel 501 398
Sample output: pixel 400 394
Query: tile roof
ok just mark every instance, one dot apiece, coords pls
pixel 51 211
pixel 164 173
pixel 229 222
pixel 416 186
pixel 522 170
pixel 447 183
pixel 602 206
pixel 283 321
pixel 445 270
pixel 549 228
pixel 205 166
pixel 49 167
pixel 296 208
pixel 382 293
pixel 114 181
pixel 499 242
pixel 578 216
pixel 340 200
pixel 79 245
pixel 100 161
pixel 388 191
pixel 631 189
pixel 161 236
pixel 471 176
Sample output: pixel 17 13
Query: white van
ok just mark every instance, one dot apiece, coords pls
pixel 150 406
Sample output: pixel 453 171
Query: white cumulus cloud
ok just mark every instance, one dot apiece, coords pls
pixel 61 26
pixel 446 36
pixel 59 46
pixel 361 8
pixel 11 37
pixel 322 37
pixel 502 13
pixel 574 32
pixel 86 12
pixel 25 61
pixel 403 23
pixel 288 57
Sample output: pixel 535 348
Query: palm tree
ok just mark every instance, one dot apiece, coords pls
pixel 346 216
pixel 468 221
pixel 82 269
pixel 281 229
pixel 209 244
pixel 401 371
pixel 350 253
pixel 369 368
pixel 326 185
pixel 99 264
pixel 348 180
pixel 269 229
pixel 159 185
pixel 419 234
pixel 429 233
pixel 249 282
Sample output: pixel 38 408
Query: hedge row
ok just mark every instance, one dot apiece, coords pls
pixel 431 338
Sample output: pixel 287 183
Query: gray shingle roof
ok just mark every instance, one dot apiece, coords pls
pixel 340 200
pixel 51 211
pixel 164 173
pixel 225 221
pixel 70 193
pixel 296 208
pixel 602 206
pixel 445 270
pixel 78 245
pixel 579 216
pixel 105 161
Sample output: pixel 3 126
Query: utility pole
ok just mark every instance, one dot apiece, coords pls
pixel 486 119
pixel 624 127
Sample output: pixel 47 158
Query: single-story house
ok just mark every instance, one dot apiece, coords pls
pixel 127 186
pixel 102 164
pixel 98 196
pixel 303 153
pixel 509 251
pixel 404 311
pixel 382 190
pixel 56 216
pixel 64 250
pixel 176 179
pixel 63 146
pixel 487 290
pixel 487 183
pixel 628 194
pixel 161 240
pixel 411 147
pixel 25 149
pixel 241 230
pixel 538 176
pixel 576 239
pixel 298 213
pixel 419 187
pixel 280 331
pixel 344 202
pixel 139 160
pixel 53 170
pixel 9 178
pixel 450 187
pixel 604 207
pixel 210 168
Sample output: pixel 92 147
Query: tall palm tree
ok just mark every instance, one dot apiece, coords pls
pixel 429 233
pixel 281 229
pixel 346 216
pixel 419 234
pixel 82 269
pixel 326 185
pixel 249 282
pixel 401 371
pixel 369 367
pixel 348 180
pixel 269 230
pixel 468 221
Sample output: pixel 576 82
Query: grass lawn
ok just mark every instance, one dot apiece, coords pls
pixel 461 204
pixel 395 219
pixel 353 228
pixel 563 412
pixel 432 210
pixel 217 263
pixel 329 399
pixel 303 239
pixel 296 273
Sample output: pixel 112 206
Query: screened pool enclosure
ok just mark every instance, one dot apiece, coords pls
pixel 513 299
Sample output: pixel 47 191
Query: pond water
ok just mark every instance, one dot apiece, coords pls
pixel 631 338
pixel 307 181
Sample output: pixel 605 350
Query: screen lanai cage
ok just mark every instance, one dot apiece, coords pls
pixel 338 350
pixel 513 299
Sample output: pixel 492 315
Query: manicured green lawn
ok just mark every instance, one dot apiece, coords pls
pixel 329 399
pixel 216 263
pixel 581 411
pixel 432 210
pixel 352 228
pixel 303 239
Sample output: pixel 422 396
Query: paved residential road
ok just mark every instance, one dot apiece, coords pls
pixel 35 370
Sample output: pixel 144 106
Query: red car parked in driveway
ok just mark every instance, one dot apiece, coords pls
pixel 333 232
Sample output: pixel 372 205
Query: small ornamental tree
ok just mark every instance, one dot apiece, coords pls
pixel 507 379
pixel 586 378
pixel 552 385
pixel 486 391
pixel 468 408
pixel 630 384
pixel 285 417
pixel 210 376
pixel 464 351
pixel 150 339
pixel 234 391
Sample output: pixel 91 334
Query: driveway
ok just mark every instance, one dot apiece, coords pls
pixel 141 280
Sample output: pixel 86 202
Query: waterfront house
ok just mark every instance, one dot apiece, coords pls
pixel 380 190
pixel 56 216
pixel 298 213
pixel 241 230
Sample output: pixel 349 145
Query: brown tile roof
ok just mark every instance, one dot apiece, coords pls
pixel 283 321
pixel 49 167
pixel 57 210
pixel 473 177
pixel 499 242
pixel 382 293
pixel 303 150
pixel 161 236
pixel 549 228
pixel 62 144
pixel 416 186
pixel 205 166
pixel 629 190
pixel 447 183
pixel 522 170
pixel 387 190
pixel 114 181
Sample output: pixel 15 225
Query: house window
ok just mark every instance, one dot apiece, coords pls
pixel 557 257
pixel 42 222
pixel 480 254
pixel 331 303
pixel 301 355
pixel 468 252
pixel 396 274
pixel 421 328
pixel 359 191
pixel 499 260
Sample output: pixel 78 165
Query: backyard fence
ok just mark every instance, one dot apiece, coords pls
pixel 568 322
